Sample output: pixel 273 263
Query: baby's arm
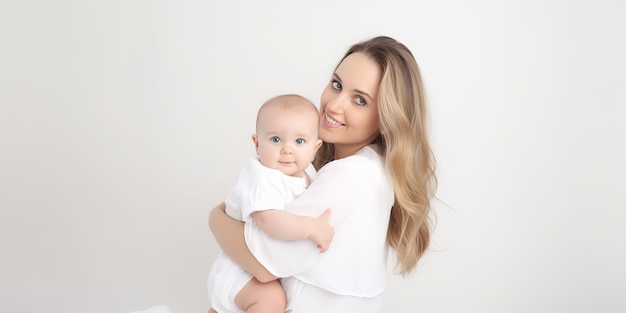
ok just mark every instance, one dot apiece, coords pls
pixel 283 225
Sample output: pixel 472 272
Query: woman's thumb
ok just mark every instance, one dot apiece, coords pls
pixel 326 215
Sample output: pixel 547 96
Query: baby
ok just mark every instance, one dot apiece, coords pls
pixel 286 140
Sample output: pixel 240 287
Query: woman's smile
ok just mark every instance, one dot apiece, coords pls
pixel 331 122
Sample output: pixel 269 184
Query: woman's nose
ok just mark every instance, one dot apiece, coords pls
pixel 335 103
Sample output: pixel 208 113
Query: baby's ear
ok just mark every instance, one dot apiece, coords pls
pixel 255 139
pixel 318 144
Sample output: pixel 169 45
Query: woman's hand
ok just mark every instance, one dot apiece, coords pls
pixel 322 233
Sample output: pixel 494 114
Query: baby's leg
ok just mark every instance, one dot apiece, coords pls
pixel 256 296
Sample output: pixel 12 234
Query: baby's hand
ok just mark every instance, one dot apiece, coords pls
pixel 322 233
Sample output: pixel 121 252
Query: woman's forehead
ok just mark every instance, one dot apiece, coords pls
pixel 359 72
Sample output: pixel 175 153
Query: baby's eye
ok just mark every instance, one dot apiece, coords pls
pixel 299 141
pixel 275 139
pixel 360 101
pixel 336 85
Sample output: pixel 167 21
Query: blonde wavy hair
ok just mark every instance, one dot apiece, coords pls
pixel 404 143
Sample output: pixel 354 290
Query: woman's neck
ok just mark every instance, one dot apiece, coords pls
pixel 342 151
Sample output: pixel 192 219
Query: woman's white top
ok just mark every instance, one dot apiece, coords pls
pixel 360 195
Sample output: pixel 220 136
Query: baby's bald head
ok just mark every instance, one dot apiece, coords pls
pixel 295 103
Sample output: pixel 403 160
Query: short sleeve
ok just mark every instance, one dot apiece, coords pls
pixel 266 192
pixel 259 188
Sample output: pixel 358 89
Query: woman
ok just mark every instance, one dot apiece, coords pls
pixel 376 172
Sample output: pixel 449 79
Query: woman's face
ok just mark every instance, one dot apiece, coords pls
pixel 349 107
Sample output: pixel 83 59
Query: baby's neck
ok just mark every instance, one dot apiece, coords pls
pixel 304 175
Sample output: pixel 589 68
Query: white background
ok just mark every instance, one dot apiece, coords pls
pixel 123 122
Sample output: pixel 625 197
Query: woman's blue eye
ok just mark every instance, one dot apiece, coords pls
pixel 299 141
pixel 336 85
pixel 360 101
pixel 275 139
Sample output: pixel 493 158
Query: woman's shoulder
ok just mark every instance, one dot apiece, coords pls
pixel 366 161
pixel 367 155
pixel 371 153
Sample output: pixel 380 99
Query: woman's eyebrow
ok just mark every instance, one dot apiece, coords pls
pixel 357 90
pixel 337 77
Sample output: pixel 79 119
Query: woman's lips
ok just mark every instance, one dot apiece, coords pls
pixel 330 122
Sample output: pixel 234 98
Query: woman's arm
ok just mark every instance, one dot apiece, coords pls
pixel 229 235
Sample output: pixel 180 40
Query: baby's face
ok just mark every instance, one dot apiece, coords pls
pixel 287 140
